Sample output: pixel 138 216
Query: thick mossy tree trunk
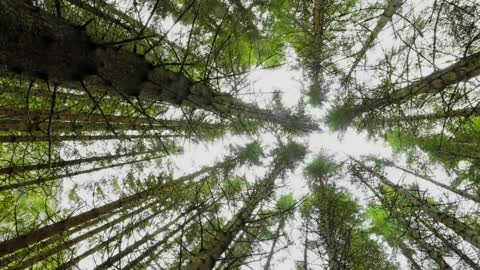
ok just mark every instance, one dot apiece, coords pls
pixel 42 46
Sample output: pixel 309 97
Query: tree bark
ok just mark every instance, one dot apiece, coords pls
pixel 462 70
pixel 65 163
pixel 460 228
pixel 280 226
pixel 390 9
pixel 46 47
pixel 23 241
pixel 148 237
pixel 408 252
pixel 452 246
pixel 206 258
pixel 429 179
pixel 43 180
pixel 68 138
pixel 69 243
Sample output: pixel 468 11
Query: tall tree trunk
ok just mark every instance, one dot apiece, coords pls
pixel 69 243
pixel 65 163
pixel 148 237
pixel 149 253
pixel 462 70
pixel 408 253
pixel 460 228
pixel 67 138
pixel 23 241
pixel 206 258
pixel 305 249
pixel 276 236
pixel 43 180
pixel 412 233
pixel 42 245
pixel 432 252
pixel 464 112
pixel 390 9
pixel 451 246
pixel 462 193
pixel 46 47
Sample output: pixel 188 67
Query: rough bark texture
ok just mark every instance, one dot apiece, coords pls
pixel 69 243
pixel 462 70
pixel 117 257
pixel 462 193
pixel 49 48
pixel 408 253
pixel 452 246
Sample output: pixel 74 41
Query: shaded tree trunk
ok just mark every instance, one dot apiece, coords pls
pixel 206 258
pixel 148 237
pixel 452 246
pixel 69 243
pixel 460 228
pixel 43 180
pixel 462 70
pixel 23 241
pixel 462 193
pixel 276 236
pixel 46 47
pixel 65 163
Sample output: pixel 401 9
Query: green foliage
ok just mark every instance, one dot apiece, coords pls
pixel 291 153
pixel 253 153
pixel 286 202
pixel 321 167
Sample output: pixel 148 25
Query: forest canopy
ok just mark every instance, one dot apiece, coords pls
pixel 240 134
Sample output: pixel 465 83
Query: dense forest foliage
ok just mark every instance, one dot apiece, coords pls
pixel 102 103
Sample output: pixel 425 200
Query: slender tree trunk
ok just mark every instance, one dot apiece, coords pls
pixel 206 258
pixel 148 237
pixel 67 138
pixel 465 112
pixel 69 243
pixel 65 163
pixel 452 246
pixel 429 179
pixel 280 226
pixel 305 246
pixel 42 245
pixel 429 249
pixel 408 253
pixel 390 9
pixel 43 180
pixel 149 253
pixel 69 116
pixel 99 13
pixel 460 228
pixel 46 47
pixel 23 241
pixel 413 233
pixel 69 264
